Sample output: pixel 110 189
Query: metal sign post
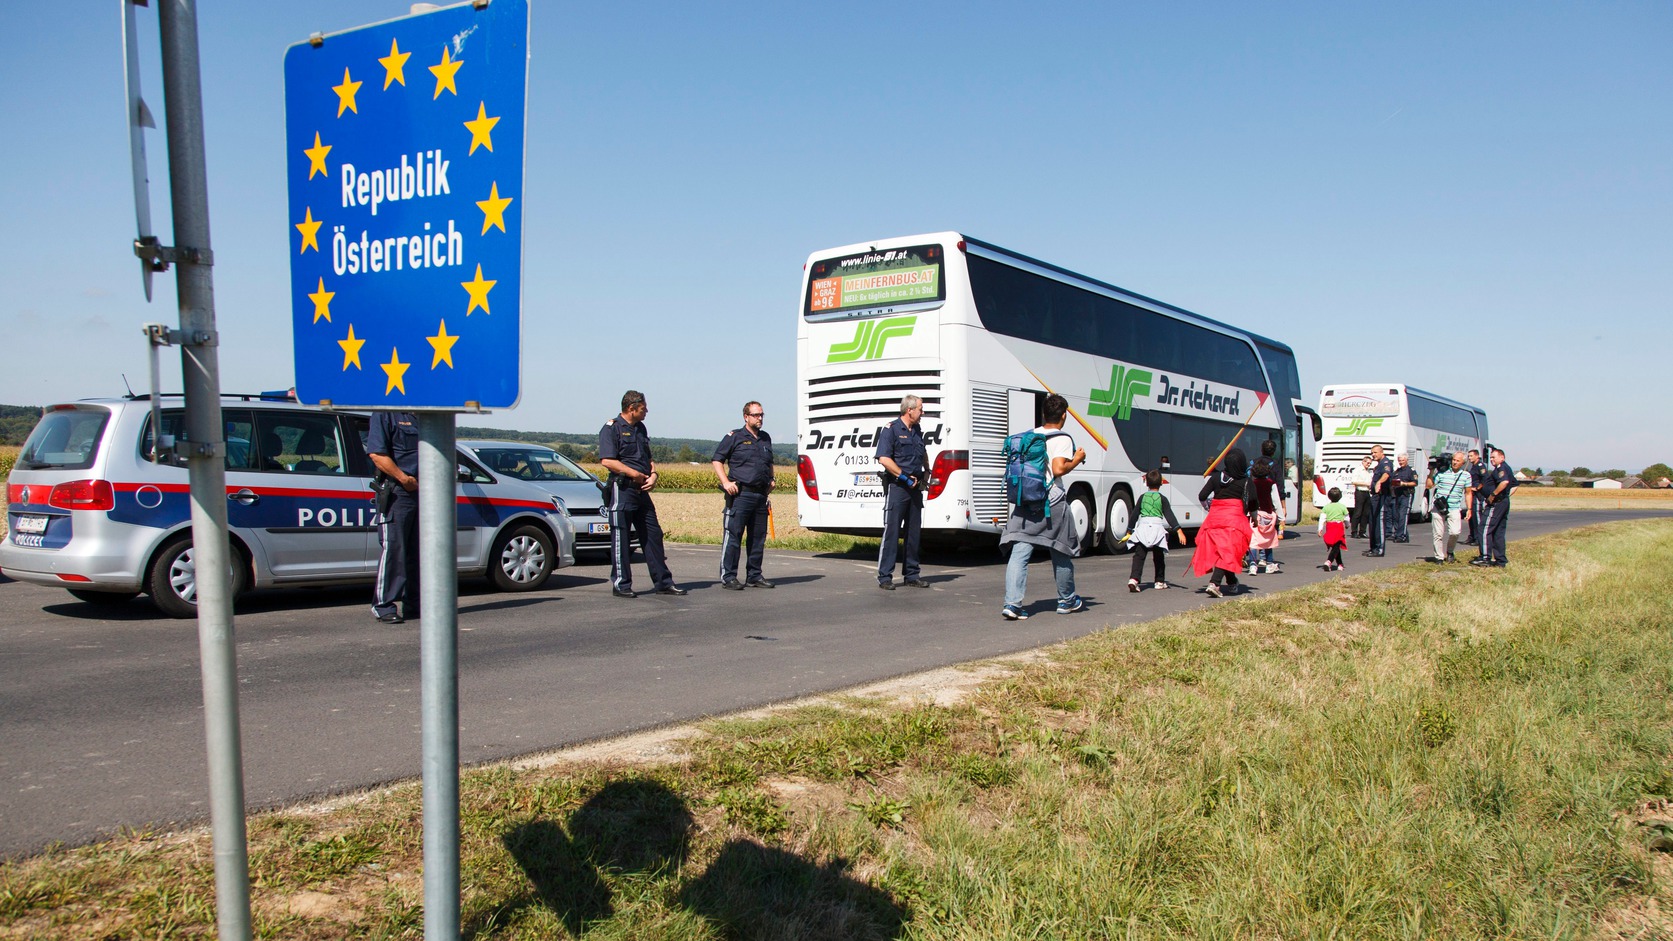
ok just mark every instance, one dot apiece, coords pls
pixel 202 444
pixel 405 167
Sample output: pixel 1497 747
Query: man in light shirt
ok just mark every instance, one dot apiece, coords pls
pixel 1453 486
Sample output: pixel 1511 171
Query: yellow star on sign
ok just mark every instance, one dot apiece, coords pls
pixel 310 231
pixel 351 350
pixel 316 157
pixel 395 369
pixel 444 73
pixel 444 347
pixel 345 94
pixel 394 66
pixel 480 129
pixel 322 302
pixel 479 292
pixel 493 209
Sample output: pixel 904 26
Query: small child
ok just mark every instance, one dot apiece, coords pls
pixel 1333 528
pixel 1150 528
pixel 1265 517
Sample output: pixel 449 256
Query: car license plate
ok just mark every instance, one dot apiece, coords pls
pixel 868 480
pixel 31 524
pixel 601 529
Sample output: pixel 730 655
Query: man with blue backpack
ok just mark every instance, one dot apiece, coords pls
pixel 1035 462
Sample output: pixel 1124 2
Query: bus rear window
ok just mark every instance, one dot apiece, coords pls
pixel 875 282
pixel 66 438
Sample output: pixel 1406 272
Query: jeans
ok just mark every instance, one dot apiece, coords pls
pixel 1016 573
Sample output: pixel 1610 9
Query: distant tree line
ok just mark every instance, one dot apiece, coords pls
pixel 584 447
pixel 16 421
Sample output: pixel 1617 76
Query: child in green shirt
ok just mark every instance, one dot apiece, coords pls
pixel 1333 521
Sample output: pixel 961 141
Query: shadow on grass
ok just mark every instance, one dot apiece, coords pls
pixel 641 830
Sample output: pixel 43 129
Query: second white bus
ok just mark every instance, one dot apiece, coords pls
pixel 1421 425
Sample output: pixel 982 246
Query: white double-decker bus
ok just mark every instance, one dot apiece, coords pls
pixel 983 335
pixel 1421 425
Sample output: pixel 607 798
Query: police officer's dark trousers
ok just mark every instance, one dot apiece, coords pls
pixel 1478 526
pixel 903 516
pixel 747 510
pixel 398 561
pixel 632 512
pixel 1379 520
pixel 1493 544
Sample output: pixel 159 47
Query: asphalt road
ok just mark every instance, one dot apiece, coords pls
pixel 101 708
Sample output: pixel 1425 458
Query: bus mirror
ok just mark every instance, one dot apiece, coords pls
pixel 1318 423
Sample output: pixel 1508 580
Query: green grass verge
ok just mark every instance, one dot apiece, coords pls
pixel 1418 752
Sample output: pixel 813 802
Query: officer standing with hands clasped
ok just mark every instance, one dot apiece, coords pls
pixel 393 448
pixel 900 449
pixel 624 448
pixel 1478 469
pixel 1382 503
pixel 744 463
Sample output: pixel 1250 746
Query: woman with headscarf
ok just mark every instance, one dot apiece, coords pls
pixel 1223 540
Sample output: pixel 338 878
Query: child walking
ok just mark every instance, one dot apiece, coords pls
pixel 1333 529
pixel 1152 524
pixel 1265 517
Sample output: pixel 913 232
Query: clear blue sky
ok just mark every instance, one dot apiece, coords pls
pixel 1476 199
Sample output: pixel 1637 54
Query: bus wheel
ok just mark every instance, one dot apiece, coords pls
pixel 1081 518
pixel 1116 521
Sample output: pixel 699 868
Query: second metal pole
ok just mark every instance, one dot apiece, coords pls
pixel 438 469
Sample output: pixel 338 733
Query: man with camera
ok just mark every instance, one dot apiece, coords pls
pixel 905 460
pixel 1450 491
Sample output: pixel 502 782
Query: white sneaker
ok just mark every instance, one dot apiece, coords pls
pixel 1160 585
pixel 1133 585
pixel 1213 591
pixel 1254 570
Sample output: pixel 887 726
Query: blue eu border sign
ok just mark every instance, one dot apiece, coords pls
pixel 404 158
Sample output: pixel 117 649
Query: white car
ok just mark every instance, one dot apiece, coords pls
pixel 88 511
pixel 581 492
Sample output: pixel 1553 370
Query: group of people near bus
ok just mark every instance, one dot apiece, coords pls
pixel 1466 495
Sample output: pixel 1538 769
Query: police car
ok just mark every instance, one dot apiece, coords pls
pixel 88 511
pixel 581 492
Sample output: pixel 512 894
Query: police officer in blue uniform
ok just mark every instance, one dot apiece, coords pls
pixel 393 448
pixel 624 449
pixel 900 449
pixel 1501 480
pixel 1382 499
pixel 1478 469
pixel 744 463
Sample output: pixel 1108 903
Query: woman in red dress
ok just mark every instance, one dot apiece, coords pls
pixel 1224 537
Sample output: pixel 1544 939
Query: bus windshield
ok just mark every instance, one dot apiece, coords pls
pixel 875 283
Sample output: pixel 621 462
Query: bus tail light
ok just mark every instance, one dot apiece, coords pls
pixel 83 495
pixel 945 463
pixel 810 482
pixel 1318 484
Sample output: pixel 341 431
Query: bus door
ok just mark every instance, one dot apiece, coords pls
pixel 1306 420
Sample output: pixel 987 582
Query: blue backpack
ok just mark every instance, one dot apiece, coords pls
pixel 1028 469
